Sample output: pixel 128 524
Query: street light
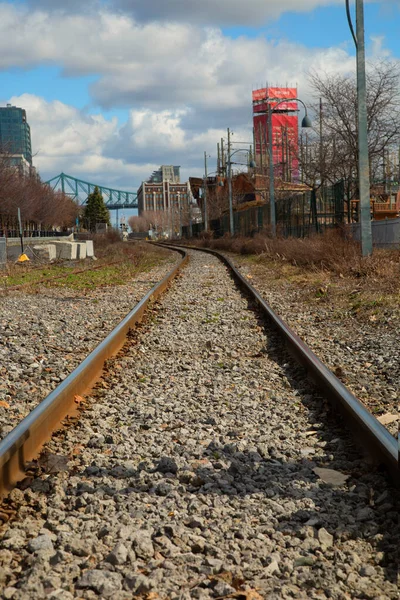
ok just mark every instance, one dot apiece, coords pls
pixel 306 122
pixel 363 158
pixel 252 164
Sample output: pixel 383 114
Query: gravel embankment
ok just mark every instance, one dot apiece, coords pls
pixel 364 355
pixel 44 336
pixel 195 474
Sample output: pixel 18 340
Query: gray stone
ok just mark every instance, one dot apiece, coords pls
pixel 365 514
pixel 105 583
pixel 325 538
pixel 42 542
pixel 60 594
pixel 139 584
pixel 118 555
pixel 167 465
pixel 334 478
pixel 304 561
pixel 223 589
pixel 142 544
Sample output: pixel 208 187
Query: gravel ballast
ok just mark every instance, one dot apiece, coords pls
pixel 204 466
pixel 363 354
pixel 44 336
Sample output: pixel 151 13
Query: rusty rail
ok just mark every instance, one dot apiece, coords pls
pixel 373 437
pixel 25 441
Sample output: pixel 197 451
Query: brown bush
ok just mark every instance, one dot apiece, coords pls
pixel 331 251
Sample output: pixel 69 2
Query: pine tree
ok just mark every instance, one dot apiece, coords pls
pixel 95 211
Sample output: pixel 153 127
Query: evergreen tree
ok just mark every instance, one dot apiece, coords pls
pixel 95 211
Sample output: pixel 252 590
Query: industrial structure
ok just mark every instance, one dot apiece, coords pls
pixel 285 130
pixel 15 138
pixel 163 191
pixel 79 190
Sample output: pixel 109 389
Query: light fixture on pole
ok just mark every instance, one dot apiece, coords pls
pixel 306 122
pixel 363 154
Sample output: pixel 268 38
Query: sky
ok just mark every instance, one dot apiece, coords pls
pixel 115 88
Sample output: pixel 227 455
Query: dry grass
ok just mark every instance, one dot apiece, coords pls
pixel 117 263
pixel 331 251
pixel 326 269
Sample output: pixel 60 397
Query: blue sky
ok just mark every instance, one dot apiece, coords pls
pixel 111 93
pixel 327 26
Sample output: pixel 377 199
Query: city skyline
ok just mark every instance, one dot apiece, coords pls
pixel 107 104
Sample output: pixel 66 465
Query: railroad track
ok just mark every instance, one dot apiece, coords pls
pixel 204 465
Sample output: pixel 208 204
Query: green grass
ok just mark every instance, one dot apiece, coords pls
pixel 61 276
pixel 26 275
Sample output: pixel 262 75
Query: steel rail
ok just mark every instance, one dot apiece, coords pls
pixel 25 441
pixel 375 439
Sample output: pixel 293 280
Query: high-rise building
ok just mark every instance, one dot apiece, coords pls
pixel 166 173
pixel 15 134
pixel 285 130
pixel 162 190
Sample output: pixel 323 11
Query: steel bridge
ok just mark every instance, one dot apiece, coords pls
pixel 79 191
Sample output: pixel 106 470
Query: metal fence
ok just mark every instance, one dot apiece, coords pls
pixel 298 216
pixel 3 252
pixel 385 234
pixel 14 233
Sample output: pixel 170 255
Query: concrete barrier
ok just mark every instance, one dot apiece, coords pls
pixel 89 249
pixel 81 250
pixel 66 250
pixel 46 251
pixel 40 240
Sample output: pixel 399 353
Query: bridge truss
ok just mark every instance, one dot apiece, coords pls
pixel 79 191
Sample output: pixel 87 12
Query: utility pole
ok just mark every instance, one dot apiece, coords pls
pixel 180 214
pixel 271 175
pixel 231 221
pixel 205 193
pixel 321 147
pixel 254 144
pixel 261 149
pixel 363 162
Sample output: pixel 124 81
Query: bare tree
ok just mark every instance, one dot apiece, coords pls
pixel 333 155
pixel 41 207
pixel 138 224
pixel 159 220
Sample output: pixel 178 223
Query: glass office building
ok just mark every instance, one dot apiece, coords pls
pixel 15 133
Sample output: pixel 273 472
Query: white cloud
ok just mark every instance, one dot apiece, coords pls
pixel 218 12
pixel 221 12
pixel 62 130
pixel 155 65
pixel 183 83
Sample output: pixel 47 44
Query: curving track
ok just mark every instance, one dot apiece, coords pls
pixel 198 470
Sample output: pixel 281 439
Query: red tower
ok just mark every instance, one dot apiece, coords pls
pixel 285 130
